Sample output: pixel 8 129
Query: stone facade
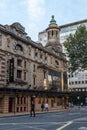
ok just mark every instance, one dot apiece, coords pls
pixel 27 65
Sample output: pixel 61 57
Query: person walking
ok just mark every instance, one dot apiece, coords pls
pixel 42 106
pixel 32 111
pixel 46 106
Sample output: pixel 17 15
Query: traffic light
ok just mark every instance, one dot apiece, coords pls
pixel 78 97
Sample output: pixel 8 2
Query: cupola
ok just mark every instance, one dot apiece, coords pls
pixel 53 33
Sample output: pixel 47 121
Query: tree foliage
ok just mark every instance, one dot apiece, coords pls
pixel 76 48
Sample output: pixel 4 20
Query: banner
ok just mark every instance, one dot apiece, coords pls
pixel 11 70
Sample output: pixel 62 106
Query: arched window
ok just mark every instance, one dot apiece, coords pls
pixel 56 62
pixel 52 33
pixel 19 47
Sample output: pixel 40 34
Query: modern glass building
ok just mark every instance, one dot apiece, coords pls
pixel 78 80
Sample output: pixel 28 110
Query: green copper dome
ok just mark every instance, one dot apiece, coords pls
pixel 53 21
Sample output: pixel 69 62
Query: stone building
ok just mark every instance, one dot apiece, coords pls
pixel 29 71
pixel 78 80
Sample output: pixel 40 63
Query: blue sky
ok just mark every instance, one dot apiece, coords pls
pixel 35 15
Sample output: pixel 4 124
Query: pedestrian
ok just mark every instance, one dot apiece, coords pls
pixel 81 104
pixel 46 106
pixel 42 106
pixel 32 111
pixel 69 105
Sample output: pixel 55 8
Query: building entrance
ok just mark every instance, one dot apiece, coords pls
pixel 11 101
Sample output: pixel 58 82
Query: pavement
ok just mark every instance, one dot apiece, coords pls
pixel 27 113
pixel 40 112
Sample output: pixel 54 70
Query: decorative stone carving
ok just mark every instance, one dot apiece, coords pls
pixel 18 27
pixel 25 49
pixel 14 45
pixel 29 50
pixel 8 41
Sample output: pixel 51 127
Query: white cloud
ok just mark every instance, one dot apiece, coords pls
pixel 36 12
pixel 36 9
pixel 4 11
pixel 32 30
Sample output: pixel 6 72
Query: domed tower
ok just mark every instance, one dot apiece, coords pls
pixel 53 33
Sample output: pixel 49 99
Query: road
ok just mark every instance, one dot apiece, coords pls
pixel 62 120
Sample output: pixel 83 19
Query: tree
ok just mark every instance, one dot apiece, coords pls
pixel 76 48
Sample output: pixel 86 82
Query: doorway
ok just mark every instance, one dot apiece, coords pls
pixel 11 102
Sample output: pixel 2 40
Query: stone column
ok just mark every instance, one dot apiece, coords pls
pixel 6 104
pixel 28 103
pixel 62 82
